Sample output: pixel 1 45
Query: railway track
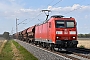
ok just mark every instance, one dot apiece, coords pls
pixel 72 55
pixel 83 49
pixel 81 52
pixel 67 55
pixel 60 53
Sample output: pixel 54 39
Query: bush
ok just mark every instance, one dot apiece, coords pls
pixel 82 46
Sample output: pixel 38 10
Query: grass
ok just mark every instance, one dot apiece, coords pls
pixel 82 46
pixel 0 44
pixel 27 55
pixel 6 53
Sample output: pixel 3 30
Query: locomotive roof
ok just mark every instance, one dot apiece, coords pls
pixel 57 16
pixel 53 16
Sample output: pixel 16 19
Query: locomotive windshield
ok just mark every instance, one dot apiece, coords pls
pixel 69 24
pixel 60 24
pixel 64 24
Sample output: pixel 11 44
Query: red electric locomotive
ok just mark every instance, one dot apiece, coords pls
pixel 57 32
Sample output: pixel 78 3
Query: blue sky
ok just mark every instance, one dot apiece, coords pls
pixel 31 11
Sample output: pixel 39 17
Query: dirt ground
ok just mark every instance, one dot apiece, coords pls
pixel 85 43
pixel 2 43
pixel 17 55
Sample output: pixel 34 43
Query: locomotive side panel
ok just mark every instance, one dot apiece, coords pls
pixel 51 31
pixel 41 32
pixel 45 31
pixel 36 33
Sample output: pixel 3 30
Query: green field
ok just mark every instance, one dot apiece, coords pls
pixel 7 53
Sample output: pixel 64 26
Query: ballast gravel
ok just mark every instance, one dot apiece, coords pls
pixel 40 53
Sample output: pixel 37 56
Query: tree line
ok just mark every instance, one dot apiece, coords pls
pixel 7 36
pixel 84 35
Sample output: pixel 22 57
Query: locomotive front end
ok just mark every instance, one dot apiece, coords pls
pixel 66 33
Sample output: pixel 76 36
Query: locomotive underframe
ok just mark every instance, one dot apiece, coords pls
pixel 65 43
pixel 58 44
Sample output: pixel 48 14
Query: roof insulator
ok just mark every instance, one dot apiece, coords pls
pixel 70 17
pixel 57 16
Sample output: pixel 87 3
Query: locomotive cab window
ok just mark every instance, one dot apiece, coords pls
pixel 70 24
pixel 60 24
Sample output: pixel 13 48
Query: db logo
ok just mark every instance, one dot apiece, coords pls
pixel 65 31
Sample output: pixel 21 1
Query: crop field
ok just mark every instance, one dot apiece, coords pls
pixel 0 43
pixel 11 50
pixel 85 43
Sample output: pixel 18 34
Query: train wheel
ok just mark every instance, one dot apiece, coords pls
pixel 43 45
pixel 47 45
pixel 29 41
pixel 75 46
pixel 36 43
pixel 51 46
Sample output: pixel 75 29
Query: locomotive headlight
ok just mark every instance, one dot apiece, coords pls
pixel 73 37
pixel 57 37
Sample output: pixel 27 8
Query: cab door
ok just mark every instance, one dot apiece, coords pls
pixel 49 30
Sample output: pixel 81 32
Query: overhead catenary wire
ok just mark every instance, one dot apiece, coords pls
pixel 21 22
pixel 50 2
pixel 57 3
pixel 41 12
pixel 74 9
pixel 52 6
pixel 36 17
pixel 47 5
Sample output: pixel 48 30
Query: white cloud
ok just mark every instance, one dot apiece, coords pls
pixel 15 10
pixel 77 7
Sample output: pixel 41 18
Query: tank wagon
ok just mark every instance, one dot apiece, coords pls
pixel 57 32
